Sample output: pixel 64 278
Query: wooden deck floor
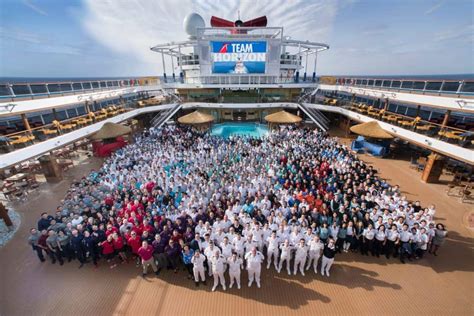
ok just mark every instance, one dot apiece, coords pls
pixel 442 285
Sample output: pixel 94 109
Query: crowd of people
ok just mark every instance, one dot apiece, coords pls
pixel 177 198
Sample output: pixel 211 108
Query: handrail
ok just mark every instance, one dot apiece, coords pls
pixel 85 86
pixel 397 84
pixel 411 118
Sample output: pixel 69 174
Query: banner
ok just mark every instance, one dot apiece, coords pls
pixel 238 57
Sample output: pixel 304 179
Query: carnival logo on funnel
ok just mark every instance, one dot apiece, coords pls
pixel 239 57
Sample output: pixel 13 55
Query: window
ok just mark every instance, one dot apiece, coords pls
pixel 451 86
pixel 424 114
pixel 61 115
pixel 364 82
pixel 401 109
pixel 95 85
pixel 34 119
pixel 65 87
pixel 358 81
pixel 110 84
pixel 103 84
pixel 81 110
pixel 392 107
pixel 433 86
pixel 407 85
pixel 468 86
pixel 411 112
pixel 4 90
pixel 47 118
pixel 418 85
pixel 378 83
pixel 38 88
pixel 386 83
pixel 71 112
pixel 20 89
pixel 86 85
pixel 396 84
pixel 77 86
pixel 371 82
pixel 53 88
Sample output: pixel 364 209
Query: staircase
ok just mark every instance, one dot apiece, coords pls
pixel 316 116
pixel 308 93
pixel 164 116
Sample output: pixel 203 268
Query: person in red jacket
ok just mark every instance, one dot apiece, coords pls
pixel 108 250
pixel 119 247
pixel 134 244
pixel 146 254
pixel 110 230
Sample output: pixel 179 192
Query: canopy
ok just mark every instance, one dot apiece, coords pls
pixel 111 130
pixel 371 129
pixel 283 117
pixel 196 118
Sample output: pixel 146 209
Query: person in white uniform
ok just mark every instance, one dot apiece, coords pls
pixel 209 252
pixel 235 266
pixel 315 249
pixel 328 256
pixel 285 256
pixel 301 255
pixel 217 265
pixel 254 260
pixel 198 260
pixel 272 250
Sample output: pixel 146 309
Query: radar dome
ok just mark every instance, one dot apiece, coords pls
pixel 192 22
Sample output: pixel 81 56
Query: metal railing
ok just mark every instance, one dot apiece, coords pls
pixel 452 135
pixel 20 139
pixel 243 80
pixel 424 86
pixel 36 90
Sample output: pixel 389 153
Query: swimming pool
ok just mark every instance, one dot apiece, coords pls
pixel 239 129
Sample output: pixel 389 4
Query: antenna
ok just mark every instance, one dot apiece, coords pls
pixel 238 14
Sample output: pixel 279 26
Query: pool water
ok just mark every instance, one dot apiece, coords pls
pixel 239 129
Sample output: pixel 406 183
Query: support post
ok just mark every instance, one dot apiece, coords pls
pixel 180 60
pixel 4 215
pixel 26 123
pixel 446 119
pixel 164 65
pixel 315 62
pixel 433 169
pixel 51 168
pixel 55 114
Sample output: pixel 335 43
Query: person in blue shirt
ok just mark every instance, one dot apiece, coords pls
pixel 187 254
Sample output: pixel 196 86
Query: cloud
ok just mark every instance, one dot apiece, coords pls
pixel 434 8
pixel 131 27
pixel 463 32
pixel 34 7
pixel 21 36
pixel 38 43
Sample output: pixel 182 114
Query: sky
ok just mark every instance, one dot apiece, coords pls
pixel 111 38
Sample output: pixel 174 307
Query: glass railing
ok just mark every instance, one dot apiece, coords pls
pixel 243 79
pixel 449 134
pixel 12 141
pixel 35 90
pixel 426 86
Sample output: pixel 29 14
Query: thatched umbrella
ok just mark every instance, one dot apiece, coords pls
pixel 196 118
pixel 111 130
pixel 282 117
pixel 371 129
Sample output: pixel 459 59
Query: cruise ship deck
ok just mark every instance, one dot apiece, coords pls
pixel 362 285
pixel 134 168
